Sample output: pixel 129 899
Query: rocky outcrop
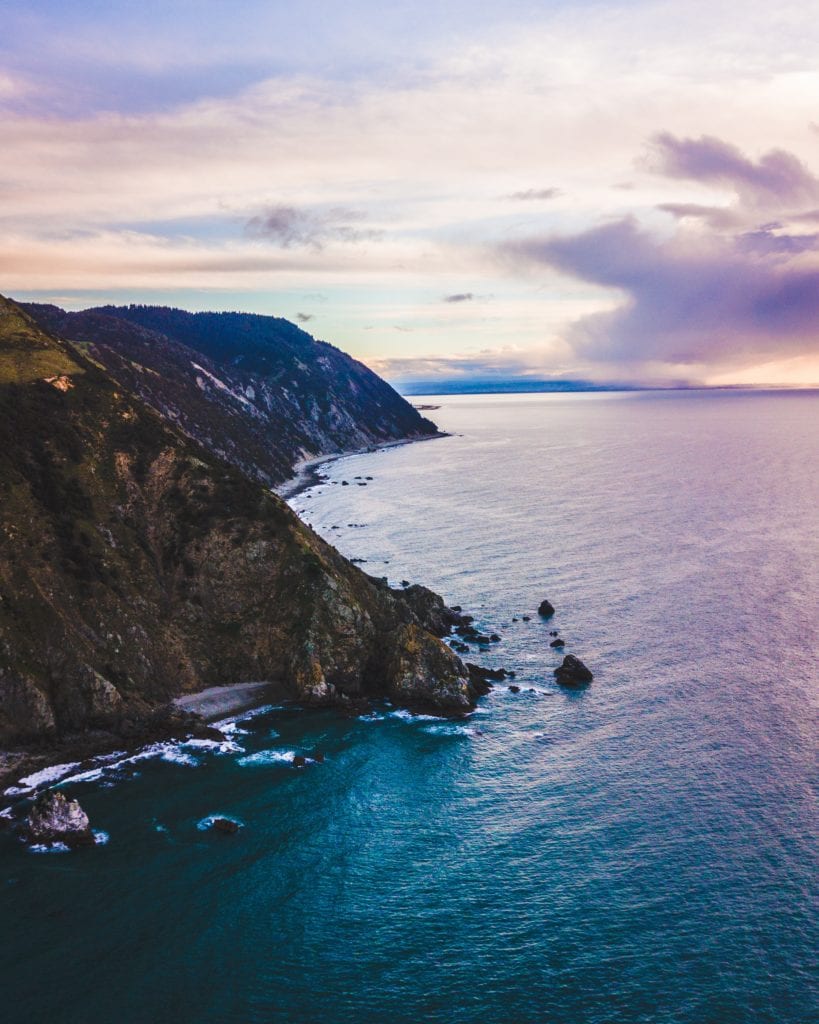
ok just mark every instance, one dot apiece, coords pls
pixel 254 390
pixel 430 610
pixel 422 671
pixel 225 826
pixel 573 672
pixel 136 566
pixel 546 609
pixel 55 818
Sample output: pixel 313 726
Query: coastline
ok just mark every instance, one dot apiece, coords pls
pixel 208 705
pixel 307 473
pixel 217 702
pixel 85 752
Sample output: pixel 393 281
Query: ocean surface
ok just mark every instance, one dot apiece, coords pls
pixel 643 850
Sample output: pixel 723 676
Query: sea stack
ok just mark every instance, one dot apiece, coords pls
pixel 54 818
pixel 573 672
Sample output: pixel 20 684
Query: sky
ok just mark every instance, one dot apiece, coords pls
pixel 616 192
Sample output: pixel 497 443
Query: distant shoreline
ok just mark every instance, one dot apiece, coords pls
pixel 307 471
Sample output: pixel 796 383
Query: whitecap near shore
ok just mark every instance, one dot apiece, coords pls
pixel 267 757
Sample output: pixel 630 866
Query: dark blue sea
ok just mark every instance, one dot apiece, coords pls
pixel 643 850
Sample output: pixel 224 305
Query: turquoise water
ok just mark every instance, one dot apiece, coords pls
pixel 640 851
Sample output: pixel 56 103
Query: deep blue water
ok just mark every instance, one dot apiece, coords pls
pixel 640 851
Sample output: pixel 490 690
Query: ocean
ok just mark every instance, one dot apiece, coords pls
pixel 640 850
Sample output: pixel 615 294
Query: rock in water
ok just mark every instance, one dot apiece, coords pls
pixel 558 643
pixel 54 818
pixel 573 672
pixel 546 609
pixel 225 826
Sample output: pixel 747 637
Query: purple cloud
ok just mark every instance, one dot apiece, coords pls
pixel 304 318
pixel 290 227
pixel 777 176
pixel 536 193
pixel 693 299
pixel 715 216
pixel 460 297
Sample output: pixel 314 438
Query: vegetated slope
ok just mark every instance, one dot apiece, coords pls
pixel 256 390
pixel 135 565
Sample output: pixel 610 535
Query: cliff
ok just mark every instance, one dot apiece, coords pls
pixel 254 390
pixel 135 566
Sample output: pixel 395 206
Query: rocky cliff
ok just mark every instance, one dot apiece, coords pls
pixel 255 390
pixel 135 565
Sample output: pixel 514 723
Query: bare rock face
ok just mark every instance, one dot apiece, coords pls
pixel 546 609
pixel 430 610
pixel 55 818
pixel 424 671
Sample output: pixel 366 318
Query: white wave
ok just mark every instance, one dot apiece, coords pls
pixel 372 716
pixel 410 716
pixel 263 709
pixel 100 837
pixel 166 751
pixel 451 729
pixel 45 775
pixel 91 775
pixel 49 848
pixel 229 728
pixel 267 757
pixel 216 746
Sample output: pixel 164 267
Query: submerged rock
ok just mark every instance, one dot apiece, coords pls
pixel 225 826
pixel 573 672
pixel 299 761
pixel 514 689
pixel 546 609
pixel 55 818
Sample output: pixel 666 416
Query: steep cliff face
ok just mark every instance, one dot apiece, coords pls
pixel 255 390
pixel 135 566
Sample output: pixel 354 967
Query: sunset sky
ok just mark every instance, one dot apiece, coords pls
pixel 608 191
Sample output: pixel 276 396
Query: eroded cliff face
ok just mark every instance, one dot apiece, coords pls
pixel 254 390
pixel 136 566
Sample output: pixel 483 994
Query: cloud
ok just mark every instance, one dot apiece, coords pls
pixel 778 176
pixel 459 297
pixel 715 216
pixel 536 193
pixel 291 227
pixel 305 318
pixel 696 299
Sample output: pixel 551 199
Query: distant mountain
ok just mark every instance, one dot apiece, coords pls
pixel 256 390
pixel 135 565
pixel 510 386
